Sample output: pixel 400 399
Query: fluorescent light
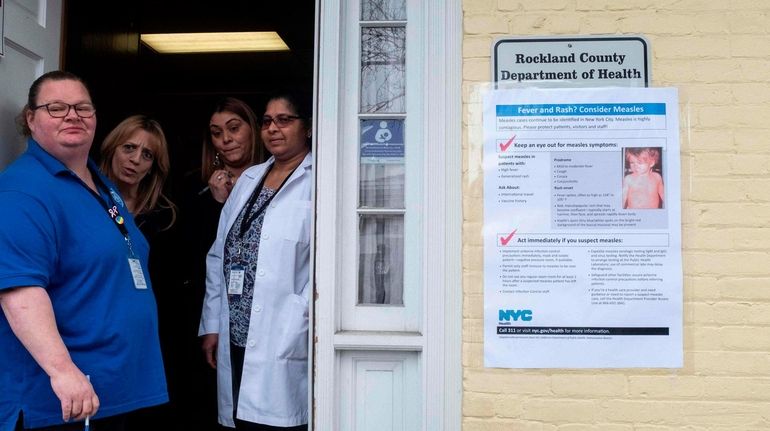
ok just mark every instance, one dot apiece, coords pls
pixel 246 41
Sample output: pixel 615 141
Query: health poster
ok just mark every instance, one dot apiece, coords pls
pixel 582 228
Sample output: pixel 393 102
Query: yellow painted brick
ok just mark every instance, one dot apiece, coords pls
pixel 589 385
pixel 692 47
pixel 732 116
pixel 640 411
pixel 561 23
pixel 739 239
pixel 749 338
pixel 732 363
pixel 494 380
pixel 508 406
pixel 526 23
pixel 591 5
pixel 752 140
pixel 472 210
pixel 719 70
pixel 750 46
pixel 735 313
pixel 597 427
pixel 600 24
pixel 672 71
pixel 696 5
pixel 751 92
pixel 473 308
pixel 477 69
pixel 546 5
pixel 656 387
pixel 472 280
pixel 472 232
pixel 730 190
pixel 715 412
pixel 480 46
pixel 711 140
pixel 472 257
pixel 560 410
pixel 473 188
pixel 737 388
pixel 754 21
pixel 660 23
pixel 474 424
pixel 478 405
pixel 732 288
pixel 736 263
pixel 706 93
pixel 479 6
pixel 711 23
pixel 706 339
pixel 485 24
pixel 752 5
pixel 473 356
pixel 712 164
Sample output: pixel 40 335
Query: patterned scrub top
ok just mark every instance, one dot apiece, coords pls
pixel 242 253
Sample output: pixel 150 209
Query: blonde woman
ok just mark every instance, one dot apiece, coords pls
pixel 135 157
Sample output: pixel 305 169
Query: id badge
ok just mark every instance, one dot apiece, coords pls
pixel 235 284
pixel 137 273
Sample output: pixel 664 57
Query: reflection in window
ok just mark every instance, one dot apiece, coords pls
pixel 383 10
pixel 381 259
pixel 383 68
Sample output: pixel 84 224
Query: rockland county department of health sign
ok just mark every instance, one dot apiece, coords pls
pixel 571 61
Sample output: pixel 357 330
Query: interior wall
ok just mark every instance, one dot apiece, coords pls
pixel 101 44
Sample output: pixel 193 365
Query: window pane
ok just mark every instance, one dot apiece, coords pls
pixel 382 164
pixel 381 259
pixel 383 10
pixel 383 66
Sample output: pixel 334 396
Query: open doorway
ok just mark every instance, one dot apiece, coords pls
pixel 101 44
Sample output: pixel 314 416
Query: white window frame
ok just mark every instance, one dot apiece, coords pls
pixel 435 332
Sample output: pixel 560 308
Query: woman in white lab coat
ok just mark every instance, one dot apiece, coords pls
pixel 255 314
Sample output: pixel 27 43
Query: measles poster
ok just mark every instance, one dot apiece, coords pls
pixel 582 228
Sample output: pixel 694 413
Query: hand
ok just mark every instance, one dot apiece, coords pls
pixel 76 394
pixel 221 183
pixel 209 345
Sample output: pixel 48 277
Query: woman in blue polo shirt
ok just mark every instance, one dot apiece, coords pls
pixel 79 323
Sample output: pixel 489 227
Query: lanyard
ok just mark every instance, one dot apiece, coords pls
pixel 248 217
pixel 111 207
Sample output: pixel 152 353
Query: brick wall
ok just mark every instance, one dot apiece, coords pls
pixel 718 54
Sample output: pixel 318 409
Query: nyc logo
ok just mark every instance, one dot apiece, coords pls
pixel 514 315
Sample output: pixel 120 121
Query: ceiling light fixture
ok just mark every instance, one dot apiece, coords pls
pixel 187 43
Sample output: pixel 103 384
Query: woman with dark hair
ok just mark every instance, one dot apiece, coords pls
pixel 230 147
pixel 255 314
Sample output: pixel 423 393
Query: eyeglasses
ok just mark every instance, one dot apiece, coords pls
pixel 280 121
pixel 61 109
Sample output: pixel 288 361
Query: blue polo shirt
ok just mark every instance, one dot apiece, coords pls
pixel 55 233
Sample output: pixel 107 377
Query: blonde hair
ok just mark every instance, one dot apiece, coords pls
pixel 151 187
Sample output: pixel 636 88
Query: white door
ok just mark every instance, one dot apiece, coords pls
pixel 387 265
pixel 30 35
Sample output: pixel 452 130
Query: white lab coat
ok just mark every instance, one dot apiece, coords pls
pixel 274 384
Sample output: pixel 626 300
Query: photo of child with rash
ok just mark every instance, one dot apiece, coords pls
pixel 642 179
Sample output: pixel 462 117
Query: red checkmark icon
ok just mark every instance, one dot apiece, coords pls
pixel 505 146
pixel 506 239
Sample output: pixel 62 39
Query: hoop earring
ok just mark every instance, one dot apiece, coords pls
pixel 217 161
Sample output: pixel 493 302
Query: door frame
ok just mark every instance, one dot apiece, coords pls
pixel 441 339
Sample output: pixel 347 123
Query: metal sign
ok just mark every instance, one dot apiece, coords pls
pixel 579 61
